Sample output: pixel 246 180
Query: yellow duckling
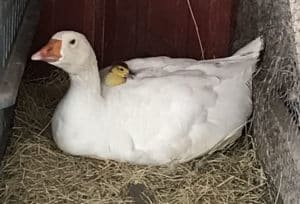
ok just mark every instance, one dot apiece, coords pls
pixel 117 75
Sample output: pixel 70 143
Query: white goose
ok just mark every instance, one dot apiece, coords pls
pixel 174 110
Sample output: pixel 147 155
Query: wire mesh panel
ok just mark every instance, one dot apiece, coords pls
pixel 295 10
pixel 18 20
pixel 11 13
pixel 294 96
pixel 276 90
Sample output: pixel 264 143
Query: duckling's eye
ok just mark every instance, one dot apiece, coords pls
pixel 121 69
pixel 72 42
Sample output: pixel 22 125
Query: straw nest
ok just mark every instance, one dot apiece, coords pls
pixel 34 170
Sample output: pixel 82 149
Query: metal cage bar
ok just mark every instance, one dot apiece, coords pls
pixel 11 13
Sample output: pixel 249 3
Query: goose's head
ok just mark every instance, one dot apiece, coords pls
pixel 69 51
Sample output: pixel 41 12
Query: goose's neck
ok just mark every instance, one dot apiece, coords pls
pixel 88 79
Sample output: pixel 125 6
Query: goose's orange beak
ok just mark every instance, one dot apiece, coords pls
pixel 50 52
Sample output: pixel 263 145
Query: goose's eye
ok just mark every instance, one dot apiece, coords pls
pixel 72 42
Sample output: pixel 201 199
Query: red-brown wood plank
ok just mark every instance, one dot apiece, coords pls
pixel 99 30
pixel 68 15
pixel 201 11
pixel 219 27
pixel 166 28
pixel 123 29
pixel 142 25
pixel 89 19
pixel 120 30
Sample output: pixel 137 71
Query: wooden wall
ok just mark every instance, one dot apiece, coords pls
pixel 123 29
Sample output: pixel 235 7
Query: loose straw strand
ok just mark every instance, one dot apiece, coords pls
pixel 196 27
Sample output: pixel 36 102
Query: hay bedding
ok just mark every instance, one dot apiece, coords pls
pixel 35 171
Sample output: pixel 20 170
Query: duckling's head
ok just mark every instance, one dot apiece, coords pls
pixel 69 51
pixel 120 70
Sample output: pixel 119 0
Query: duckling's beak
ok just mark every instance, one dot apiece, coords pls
pixel 131 75
pixel 50 52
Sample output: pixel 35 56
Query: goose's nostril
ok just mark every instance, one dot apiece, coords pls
pixel 49 49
